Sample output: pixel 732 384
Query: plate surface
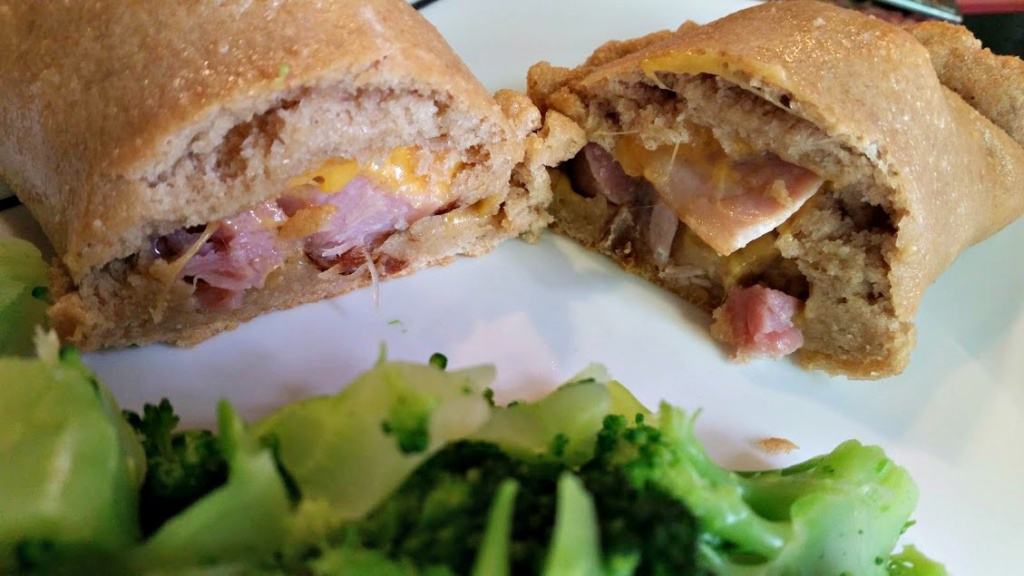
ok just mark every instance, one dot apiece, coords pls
pixel 541 312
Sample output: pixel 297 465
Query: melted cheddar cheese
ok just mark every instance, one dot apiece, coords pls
pixel 400 172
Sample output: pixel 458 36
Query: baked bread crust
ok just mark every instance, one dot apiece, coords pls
pixel 124 120
pixel 103 101
pixel 992 84
pixel 871 90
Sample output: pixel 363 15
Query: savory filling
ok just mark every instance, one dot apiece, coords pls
pixel 335 216
pixel 708 219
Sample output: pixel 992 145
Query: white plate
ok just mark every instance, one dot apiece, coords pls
pixel 541 312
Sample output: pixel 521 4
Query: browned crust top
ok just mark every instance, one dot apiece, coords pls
pixel 99 97
pixel 107 80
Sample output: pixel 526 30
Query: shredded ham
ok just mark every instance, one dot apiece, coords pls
pixel 338 232
pixel 363 214
pixel 759 321
pixel 237 256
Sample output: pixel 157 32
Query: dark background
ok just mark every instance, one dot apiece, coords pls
pixel 1002 33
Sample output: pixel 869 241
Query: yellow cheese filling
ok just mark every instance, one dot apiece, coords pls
pixel 728 67
pixel 655 166
pixel 703 150
pixel 400 172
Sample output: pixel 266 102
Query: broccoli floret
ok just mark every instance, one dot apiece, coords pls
pixel 409 421
pixel 438 517
pixel 911 562
pixel 833 514
pixel 439 360
pixel 23 295
pixel 642 531
pixel 181 467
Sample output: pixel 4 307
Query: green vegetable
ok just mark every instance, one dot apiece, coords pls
pixel 492 559
pixel 642 531
pixel 834 514
pixel 439 516
pixel 243 519
pixel 69 471
pixel 354 561
pixel 563 424
pixel 353 449
pixel 911 562
pixel 182 466
pixel 412 471
pixel 575 550
pixel 23 295
pixel 439 360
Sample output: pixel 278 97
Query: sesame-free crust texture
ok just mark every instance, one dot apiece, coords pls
pixel 914 173
pixel 123 120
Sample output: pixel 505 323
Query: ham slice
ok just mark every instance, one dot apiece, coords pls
pixel 727 202
pixel 758 321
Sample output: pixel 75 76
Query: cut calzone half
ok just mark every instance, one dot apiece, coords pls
pixel 196 164
pixel 796 168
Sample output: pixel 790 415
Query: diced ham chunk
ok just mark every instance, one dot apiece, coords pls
pixel 758 321
pixel 595 172
pixel 730 203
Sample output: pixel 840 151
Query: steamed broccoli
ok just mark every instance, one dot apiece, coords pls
pixel 438 517
pixel 69 469
pixel 841 513
pixel 241 521
pixel 23 295
pixel 412 471
pixel 181 466
pixel 911 562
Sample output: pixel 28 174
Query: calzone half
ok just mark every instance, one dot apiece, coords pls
pixel 801 170
pixel 197 163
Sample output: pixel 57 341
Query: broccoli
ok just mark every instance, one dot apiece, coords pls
pixel 911 562
pixel 23 295
pixel 437 519
pixel 243 520
pixel 346 453
pixel 841 513
pixel 438 360
pixel 181 467
pixel 68 478
pixel 408 421
pixel 412 471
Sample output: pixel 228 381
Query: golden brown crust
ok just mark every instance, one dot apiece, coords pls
pixel 993 85
pixel 870 89
pixel 101 100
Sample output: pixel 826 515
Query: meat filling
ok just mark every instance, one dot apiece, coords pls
pixel 758 321
pixel 712 217
pixel 335 216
